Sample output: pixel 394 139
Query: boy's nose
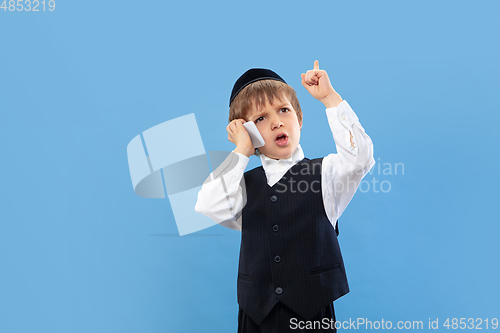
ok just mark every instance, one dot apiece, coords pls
pixel 276 123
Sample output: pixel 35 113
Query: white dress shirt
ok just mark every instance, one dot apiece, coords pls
pixel 222 199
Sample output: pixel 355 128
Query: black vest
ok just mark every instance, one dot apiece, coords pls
pixel 289 249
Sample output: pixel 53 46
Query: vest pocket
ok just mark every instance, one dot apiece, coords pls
pixel 244 277
pixel 324 269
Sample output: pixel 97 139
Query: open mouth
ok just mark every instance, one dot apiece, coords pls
pixel 281 139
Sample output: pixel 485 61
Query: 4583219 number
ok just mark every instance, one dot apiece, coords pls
pixel 28 5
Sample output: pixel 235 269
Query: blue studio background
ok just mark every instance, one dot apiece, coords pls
pixel 80 252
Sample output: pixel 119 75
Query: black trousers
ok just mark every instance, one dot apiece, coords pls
pixel 282 319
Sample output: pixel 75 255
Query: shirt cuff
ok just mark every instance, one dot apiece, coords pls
pixel 232 167
pixel 242 161
pixel 342 114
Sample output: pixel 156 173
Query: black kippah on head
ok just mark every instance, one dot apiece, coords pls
pixel 251 76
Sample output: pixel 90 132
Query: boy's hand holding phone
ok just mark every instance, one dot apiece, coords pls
pixel 318 84
pixel 238 135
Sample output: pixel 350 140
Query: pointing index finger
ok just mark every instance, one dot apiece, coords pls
pixel 316 64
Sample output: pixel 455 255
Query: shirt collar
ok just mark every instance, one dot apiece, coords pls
pixel 275 169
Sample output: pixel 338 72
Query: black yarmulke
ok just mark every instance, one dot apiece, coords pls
pixel 250 76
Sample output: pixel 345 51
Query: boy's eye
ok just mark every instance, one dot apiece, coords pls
pixel 258 119
pixel 285 110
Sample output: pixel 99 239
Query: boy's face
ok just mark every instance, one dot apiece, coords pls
pixel 279 126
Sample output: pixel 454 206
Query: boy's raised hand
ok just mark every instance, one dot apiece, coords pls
pixel 238 135
pixel 318 84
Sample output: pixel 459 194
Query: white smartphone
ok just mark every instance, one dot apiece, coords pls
pixel 257 139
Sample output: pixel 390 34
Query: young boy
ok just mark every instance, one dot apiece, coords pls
pixel 291 269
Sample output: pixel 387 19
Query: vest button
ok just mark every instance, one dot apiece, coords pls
pixel 274 198
pixel 277 258
pixel 276 228
pixel 279 290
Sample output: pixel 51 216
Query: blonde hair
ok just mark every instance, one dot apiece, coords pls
pixel 259 93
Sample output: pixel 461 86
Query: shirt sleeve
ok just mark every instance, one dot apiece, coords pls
pixel 343 172
pixel 221 197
